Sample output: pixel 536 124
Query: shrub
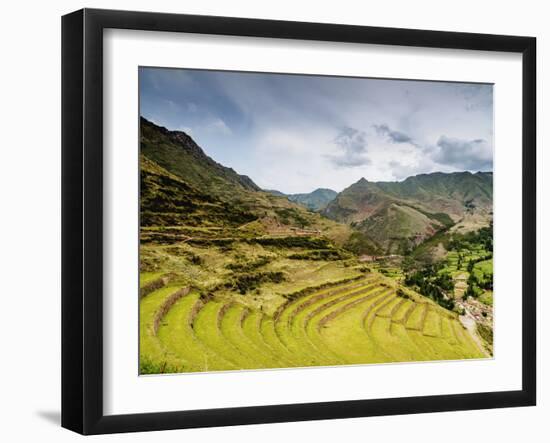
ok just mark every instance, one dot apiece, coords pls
pixel 195 259
pixel 320 254
pixel 290 216
pixel 402 294
pixel 148 366
pixel 292 242
pixel 428 283
pixel 485 332
pixel 249 266
pixel 249 281
pixel 211 241
pixel 360 243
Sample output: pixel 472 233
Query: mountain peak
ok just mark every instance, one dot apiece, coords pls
pixel 363 183
pixel 323 191
pixel 178 153
pixel 398 215
pixel 315 200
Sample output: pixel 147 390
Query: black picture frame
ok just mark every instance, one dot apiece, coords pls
pixel 82 219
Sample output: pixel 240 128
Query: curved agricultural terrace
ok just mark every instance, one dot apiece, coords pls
pixel 367 320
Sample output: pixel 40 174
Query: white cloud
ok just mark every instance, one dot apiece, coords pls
pixel 472 155
pixel 296 133
pixel 352 148
pixel 217 126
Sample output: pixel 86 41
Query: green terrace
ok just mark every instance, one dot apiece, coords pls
pixel 362 320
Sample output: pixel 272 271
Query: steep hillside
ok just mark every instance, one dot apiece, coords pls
pixel 176 152
pixel 233 277
pixel 455 193
pixel 275 192
pixel 182 187
pixel 400 215
pixel 167 200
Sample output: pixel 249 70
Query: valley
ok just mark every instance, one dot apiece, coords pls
pixel 235 277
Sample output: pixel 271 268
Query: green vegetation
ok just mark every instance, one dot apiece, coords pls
pixel 147 366
pixel 399 216
pixel 292 242
pixel 321 254
pixel 486 334
pixel 436 286
pixel 480 279
pixel 466 270
pixel 315 200
pixel 486 298
pixel 292 216
pixel 250 265
pixel 362 320
pixel 247 282
pixel 146 278
pixel 233 277
pixel 360 243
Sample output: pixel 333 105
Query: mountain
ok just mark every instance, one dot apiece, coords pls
pixel 167 200
pixel 177 152
pixel 182 187
pixel 275 192
pixel 315 200
pixel 400 215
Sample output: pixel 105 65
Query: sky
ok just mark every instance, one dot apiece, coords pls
pixel 297 133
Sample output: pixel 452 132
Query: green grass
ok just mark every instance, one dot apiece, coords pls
pixel 152 351
pixel 148 277
pixel 178 337
pixel 486 266
pixel 432 324
pixel 291 320
pixel 347 337
pixel 486 298
pixel 230 279
pixel 208 332
pixel 231 328
pixel 356 322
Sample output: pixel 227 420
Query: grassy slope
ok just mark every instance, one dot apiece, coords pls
pixel 356 322
pixel 211 229
pixel 398 215
pixel 182 187
pixel 176 152
pixel 154 357
pixel 399 227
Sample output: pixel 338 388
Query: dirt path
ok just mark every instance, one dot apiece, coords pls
pixel 470 324
pixel 461 284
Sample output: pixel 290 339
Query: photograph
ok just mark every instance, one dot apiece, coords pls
pixel 298 220
pixel 255 222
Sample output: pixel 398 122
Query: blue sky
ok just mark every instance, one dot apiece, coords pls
pixel 297 133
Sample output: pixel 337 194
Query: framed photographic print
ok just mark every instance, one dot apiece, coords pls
pixel 269 221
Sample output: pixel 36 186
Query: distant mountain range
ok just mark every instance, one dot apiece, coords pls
pixel 178 153
pixel 181 185
pixel 400 215
pixel 315 200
